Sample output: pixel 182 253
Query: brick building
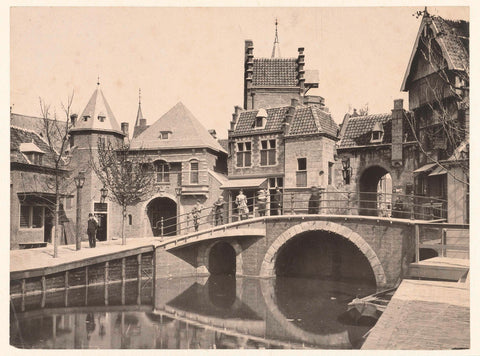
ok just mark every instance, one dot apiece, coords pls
pixel 437 81
pixel 281 138
pixel 189 166
pixel 32 192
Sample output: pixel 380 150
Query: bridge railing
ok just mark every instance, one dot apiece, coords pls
pixel 309 202
pixel 447 240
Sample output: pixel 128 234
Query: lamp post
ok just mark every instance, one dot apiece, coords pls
pixel 178 192
pixel 79 182
pixel 103 194
pixel 347 170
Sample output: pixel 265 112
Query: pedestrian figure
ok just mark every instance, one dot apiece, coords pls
pixel 218 210
pixel 314 202
pixel 92 230
pixel 242 206
pixel 197 209
pixel 276 202
pixel 262 202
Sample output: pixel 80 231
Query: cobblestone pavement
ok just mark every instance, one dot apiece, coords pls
pixel 424 315
pixel 27 259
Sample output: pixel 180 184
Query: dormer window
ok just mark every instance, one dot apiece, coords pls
pixel 260 119
pixel 377 133
pixel 32 153
pixel 101 118
pixel 86 117
pixel 164 135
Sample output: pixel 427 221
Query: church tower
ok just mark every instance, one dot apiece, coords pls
pixel 97 122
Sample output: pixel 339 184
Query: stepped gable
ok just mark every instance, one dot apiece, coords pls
pixel 184 131
pixel 97 115
pixel 359 129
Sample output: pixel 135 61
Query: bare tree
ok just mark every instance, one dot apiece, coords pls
pixel 440 127
pixel 126 174
pixel 56 133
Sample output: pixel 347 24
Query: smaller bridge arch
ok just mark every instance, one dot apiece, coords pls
pixel 208 256
pixel 268 264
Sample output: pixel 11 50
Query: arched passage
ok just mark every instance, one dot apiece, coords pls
pixel 165 208
pixel 222 259
pixel 323 255
pixel 375 189
pixel 268 265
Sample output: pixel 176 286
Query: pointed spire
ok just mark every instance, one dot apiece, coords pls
pixel 139 112
pixel 98 80
pixel 276 44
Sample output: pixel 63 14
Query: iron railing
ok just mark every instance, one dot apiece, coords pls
pixel 303 202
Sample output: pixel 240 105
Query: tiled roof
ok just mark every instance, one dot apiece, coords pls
pixel 359 130
pixel 310 120
pixel 186 132
pixel 246 121
pixel 97 107
pixel 454 39
pixel 224 144
pixel 306 120
pixel 20 136
pixel 279 72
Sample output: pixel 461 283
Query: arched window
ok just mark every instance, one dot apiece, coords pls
pixel 162 170
pixel 193 172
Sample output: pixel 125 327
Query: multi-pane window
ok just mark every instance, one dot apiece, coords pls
pixel 194 172
pixel 244 154
pixel 35 158
pixel 162 171
pixel 268 152
pixel 31 216
pixel 301 172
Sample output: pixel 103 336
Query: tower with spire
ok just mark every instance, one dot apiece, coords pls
pixel 275 81
pixel 140 122
pixel 96 122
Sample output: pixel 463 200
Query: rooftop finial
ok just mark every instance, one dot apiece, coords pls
pixel 276 43
pixel 98 80
pixel 139 96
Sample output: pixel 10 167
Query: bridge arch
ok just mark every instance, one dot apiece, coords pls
pixel 369 187
pixel 268 264
pixel 208 255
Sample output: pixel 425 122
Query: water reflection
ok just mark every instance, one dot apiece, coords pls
pixel 199 313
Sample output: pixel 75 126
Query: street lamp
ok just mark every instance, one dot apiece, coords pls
pixel 178 192
pixel 103 194
pixel 79 182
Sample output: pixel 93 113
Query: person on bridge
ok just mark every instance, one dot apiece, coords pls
pixel 276 202
pixel 262 202
pixel 314 202
pixel 242 206
pixel 92 228
pixel 197 209
pixel 219 209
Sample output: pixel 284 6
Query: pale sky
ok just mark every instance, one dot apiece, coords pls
pixel 195 55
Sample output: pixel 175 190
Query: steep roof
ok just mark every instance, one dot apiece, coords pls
pixel 311 120
pixel 274 72
pixel 97 115
pixel 358 130
pixel 185 132
pixel 308 119
pixel 21 137
pixel 453 38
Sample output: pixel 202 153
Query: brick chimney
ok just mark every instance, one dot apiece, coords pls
pixel 397 133
pixel 235 115
pixel 289 115
pixel 314 100
pixel 124 126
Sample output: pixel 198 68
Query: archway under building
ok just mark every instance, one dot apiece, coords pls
pixel 164 210
pixel 375 192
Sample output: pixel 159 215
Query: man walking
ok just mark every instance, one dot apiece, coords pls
pixel 219 210
pixel 92 230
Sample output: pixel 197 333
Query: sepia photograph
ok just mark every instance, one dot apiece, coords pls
pixel 240 177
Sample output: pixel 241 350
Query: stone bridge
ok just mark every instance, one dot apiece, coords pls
pixel 348 246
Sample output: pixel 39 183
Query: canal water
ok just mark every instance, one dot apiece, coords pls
pixel 218 312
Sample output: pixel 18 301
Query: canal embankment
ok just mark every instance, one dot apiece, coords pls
pixel 424 315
